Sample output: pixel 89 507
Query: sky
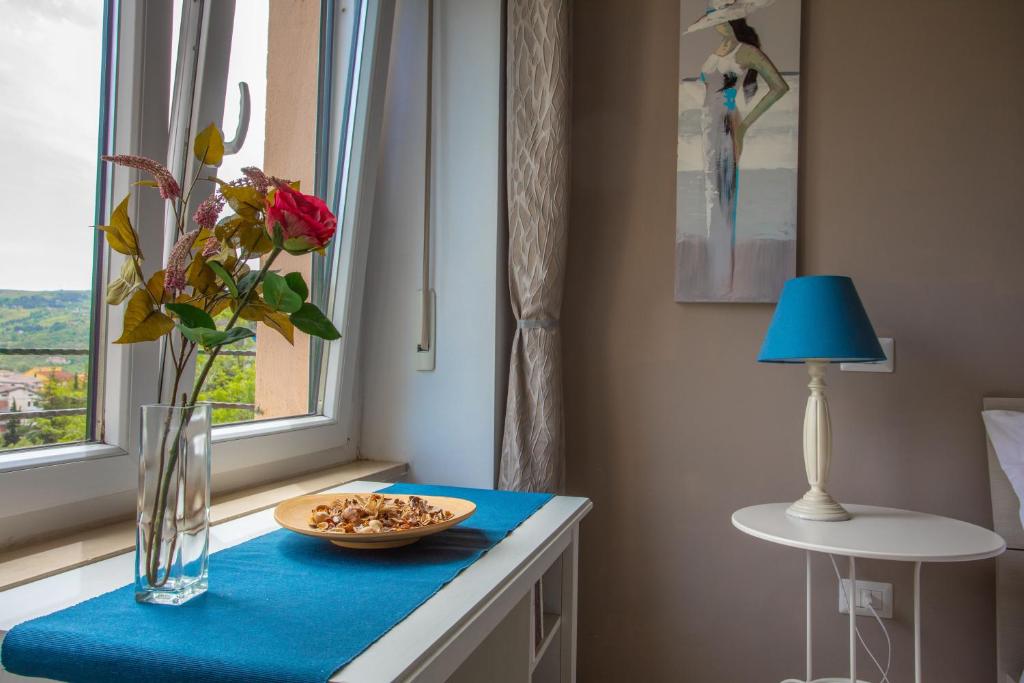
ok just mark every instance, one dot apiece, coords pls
pixel 49 104
pixel 248 63
pixel 49 119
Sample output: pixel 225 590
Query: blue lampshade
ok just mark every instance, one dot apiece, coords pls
pixel 820 317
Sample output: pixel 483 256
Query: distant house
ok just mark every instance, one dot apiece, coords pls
pixel 19 391
pixel 19 398
pixel 18 379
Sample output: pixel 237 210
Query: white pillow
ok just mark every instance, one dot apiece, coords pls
pixel 1006 430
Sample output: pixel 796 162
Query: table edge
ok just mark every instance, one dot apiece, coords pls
pixel 582 506
pixel 424 662
pixel 869 555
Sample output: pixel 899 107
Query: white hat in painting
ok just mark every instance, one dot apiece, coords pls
pixel 721 11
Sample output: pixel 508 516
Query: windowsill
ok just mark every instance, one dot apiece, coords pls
pixel 245 430
pixel 39 560
pixel 59 454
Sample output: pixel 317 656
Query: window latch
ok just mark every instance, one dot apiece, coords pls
pixel 242 128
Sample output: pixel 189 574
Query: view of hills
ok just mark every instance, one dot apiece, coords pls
pixel 60 320
pixel 56 319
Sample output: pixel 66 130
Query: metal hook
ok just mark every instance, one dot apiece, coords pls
pixel 244 106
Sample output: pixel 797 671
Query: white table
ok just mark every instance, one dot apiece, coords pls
pixel 438 640
pixel 873 533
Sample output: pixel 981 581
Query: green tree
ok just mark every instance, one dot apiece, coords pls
pixel 11 434
pixel 57 395
pixel 232 379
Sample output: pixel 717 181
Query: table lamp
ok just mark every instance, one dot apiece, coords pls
pixel 819 320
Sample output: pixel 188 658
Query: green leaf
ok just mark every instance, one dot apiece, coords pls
pixel 297 246
pixel 143 322
pixel 254 311
pixel 191 316
pixel 121 288
pixel 280 322
pixel 237 334
pixel 254 239
pixel 120 235
pixel 209 146
pixel 225 277
pixel 203 336
pixel 247 202
pixel 156 287
pixel 117 291
pixel 278 295
pixel 247 281
pixel 297 284
pixel 310 320
pixel 211 338
pixel 202 278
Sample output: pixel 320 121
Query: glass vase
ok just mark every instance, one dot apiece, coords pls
pixel 172 539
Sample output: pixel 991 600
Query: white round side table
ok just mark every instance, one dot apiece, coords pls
pixel 875 533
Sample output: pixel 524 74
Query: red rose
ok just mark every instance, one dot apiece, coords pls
pixel 306 222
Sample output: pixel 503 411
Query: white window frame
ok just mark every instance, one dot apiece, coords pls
pixel 98 480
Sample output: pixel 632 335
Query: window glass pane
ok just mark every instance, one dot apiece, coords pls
pixel 231 383
pixel 50 76
pixel 275 51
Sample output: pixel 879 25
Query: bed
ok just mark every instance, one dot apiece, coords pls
pixel 1009 565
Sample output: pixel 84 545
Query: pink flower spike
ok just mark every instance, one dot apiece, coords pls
pixel 258 178
pixel 211 247
pixel 209 210
pixel 174 281
pixel 174 276
pixel 165 182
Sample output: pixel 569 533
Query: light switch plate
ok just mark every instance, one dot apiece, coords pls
pixel 878 595
pixel 888 347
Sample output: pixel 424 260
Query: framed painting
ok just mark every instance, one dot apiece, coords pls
pixel 736 163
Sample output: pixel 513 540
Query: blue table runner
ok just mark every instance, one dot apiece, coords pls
pixel 281 607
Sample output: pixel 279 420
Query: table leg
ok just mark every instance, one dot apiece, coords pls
pixel 810 677
pixel 851 601
pixel 570 603
pixel 917 622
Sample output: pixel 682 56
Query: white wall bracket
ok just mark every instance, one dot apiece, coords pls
pixel 426 358
pixel 888 347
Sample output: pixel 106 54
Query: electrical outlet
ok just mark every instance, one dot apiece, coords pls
pixel 878 595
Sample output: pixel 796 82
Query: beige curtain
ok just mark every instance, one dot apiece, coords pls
pixel 537 174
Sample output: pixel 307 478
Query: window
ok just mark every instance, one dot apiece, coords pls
pixel 51 309
pixel 231 385
pixel 147 88
pixel 50 59
pixel 180 64
pixel 265 62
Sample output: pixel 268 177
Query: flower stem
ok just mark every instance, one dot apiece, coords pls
pixel 234 317
pixel 166 473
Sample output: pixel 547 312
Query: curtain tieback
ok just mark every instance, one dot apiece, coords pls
pixel 532 323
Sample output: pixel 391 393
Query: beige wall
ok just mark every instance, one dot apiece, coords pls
pixel 910 183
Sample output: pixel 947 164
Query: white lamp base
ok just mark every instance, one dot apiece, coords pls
pixel 818 506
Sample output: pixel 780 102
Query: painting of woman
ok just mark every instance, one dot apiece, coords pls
pixel 735 73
